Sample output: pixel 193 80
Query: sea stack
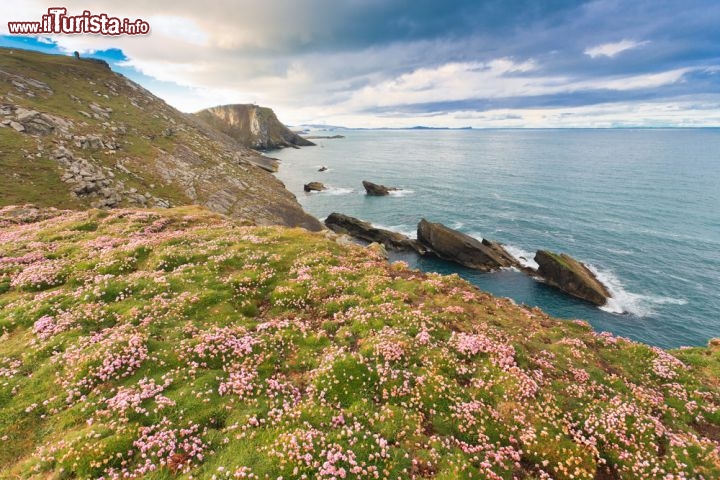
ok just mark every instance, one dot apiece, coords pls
pixel 571 276
pixel 460 248
pixel 357 228
pixel 314 187
pixel 377 190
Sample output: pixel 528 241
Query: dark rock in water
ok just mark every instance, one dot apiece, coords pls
pixel 376 189
pixel 339 223
pixel 457 247
pixel 322 169
pixel 570 276
pixel 314 187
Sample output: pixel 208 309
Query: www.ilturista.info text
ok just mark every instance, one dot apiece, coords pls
pixel 58 22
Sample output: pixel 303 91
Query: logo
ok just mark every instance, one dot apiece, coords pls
pixel 58 22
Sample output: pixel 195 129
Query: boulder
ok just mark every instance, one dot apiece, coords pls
pixel 314 187
pixel 571 276
pixel 268 164
pixel 377 190
pixel 344 224
pixel 457 247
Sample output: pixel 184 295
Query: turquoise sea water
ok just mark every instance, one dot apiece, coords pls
pixel 641 207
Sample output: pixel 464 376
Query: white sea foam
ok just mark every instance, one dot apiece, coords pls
pixel 406 230
pixel 619 251
pixel 525 258
pixel 623 301
pixel 476 235
pixel 338 191
pixel 401 193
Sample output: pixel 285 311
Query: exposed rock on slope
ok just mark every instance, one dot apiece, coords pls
pixel 569 275
pixel 455 246
pixel 354 227
pixel 253 126
pixel 76 135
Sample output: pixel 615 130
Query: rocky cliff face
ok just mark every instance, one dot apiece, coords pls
pixel 253 126
pixel 75 134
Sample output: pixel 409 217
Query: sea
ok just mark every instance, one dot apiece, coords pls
pixel 641 207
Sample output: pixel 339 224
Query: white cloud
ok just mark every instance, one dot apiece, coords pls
pixel 501 78
pixel 237 51
pixel 682 112
pixel 611 49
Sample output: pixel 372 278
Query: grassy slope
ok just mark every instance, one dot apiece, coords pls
pixel 177 343
pixel 87 82
pixel 161 151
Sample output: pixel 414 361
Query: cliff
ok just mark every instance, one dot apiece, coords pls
pixel 180 343
pixel 253 126
pixel 75 134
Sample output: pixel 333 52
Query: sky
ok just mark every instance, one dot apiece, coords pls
pixel 402 63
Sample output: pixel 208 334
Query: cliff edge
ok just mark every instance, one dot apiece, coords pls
pixel 253 126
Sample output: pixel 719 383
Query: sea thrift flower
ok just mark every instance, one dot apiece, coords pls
pixel 175 448
pixel 40 275
pixel 48 326
pixel 665 365
pixel 131 398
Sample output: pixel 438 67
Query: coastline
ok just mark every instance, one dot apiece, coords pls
pixel 654 302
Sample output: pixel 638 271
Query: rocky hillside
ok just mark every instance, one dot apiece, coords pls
pixel 253 126
pixel 75 134
pixel 180 344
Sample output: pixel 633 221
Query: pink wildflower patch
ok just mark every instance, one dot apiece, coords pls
pixel 665 365
pixel 130 399
pixel 48 326
pixel 177 449
pixel 501 354
pixel 40 275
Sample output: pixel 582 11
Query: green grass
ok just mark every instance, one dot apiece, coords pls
pixel 277 352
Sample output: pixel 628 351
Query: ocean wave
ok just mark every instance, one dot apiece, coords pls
pixel 526 259
pixel 401 193
pixel 338 190
pixel 619 251
pixel 476 235
pixel 406 230
pixel 623 301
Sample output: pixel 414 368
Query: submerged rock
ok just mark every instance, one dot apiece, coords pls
pixel 314 187
pixel 357 228
pixel 457 247
pixel 571 276
pixel 376 189
pixel 322 169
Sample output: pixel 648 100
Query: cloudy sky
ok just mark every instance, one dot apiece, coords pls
pixel 397 63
